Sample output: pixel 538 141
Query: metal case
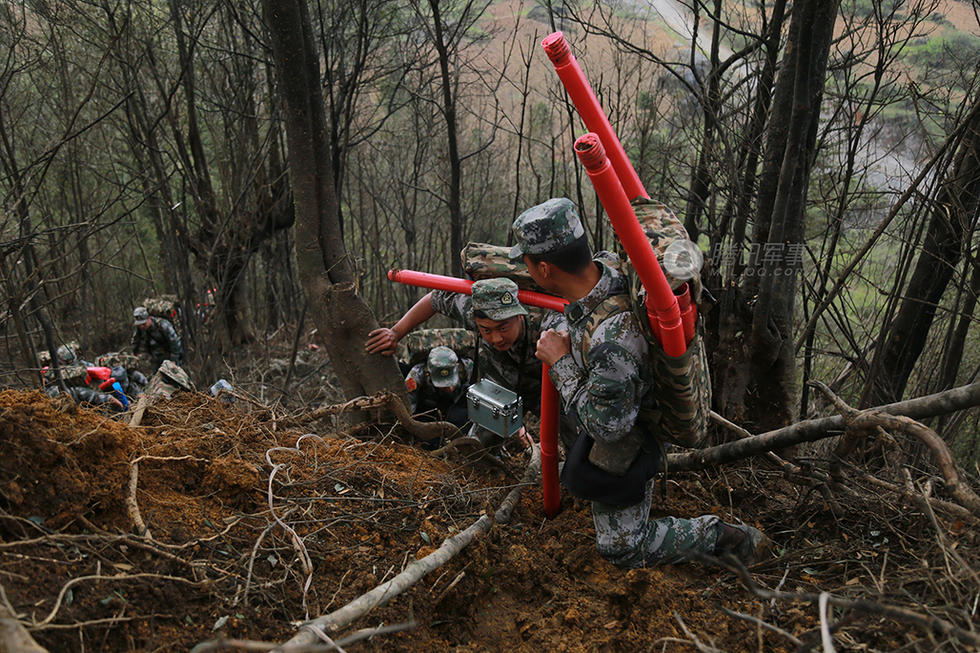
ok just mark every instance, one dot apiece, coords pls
pixel 495 408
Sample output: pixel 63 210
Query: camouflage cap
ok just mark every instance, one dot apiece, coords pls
pixel 174 374
pixel 443 366
pixel 140 315
pixel 497 298
pixel 546 228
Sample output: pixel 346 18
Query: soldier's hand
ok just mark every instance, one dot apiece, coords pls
pixel 525 438
pixel 116 403
pixel 552 345
pixel 381 341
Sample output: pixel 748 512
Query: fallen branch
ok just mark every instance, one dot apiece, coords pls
pixel 866 420
pixel 953 509
pixel 816 429
pixel 531 474
pixel 223 644
pixel 13 636
pixel 414 572
pixel 421 430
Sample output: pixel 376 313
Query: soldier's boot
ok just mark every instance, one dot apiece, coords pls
pixel 748 544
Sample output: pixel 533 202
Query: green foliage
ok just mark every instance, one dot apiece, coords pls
pixel 946 52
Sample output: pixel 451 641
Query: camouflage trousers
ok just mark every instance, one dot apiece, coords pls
pixel 628 537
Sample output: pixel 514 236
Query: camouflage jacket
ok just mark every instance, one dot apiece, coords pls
pixel 425 396
pixel 603 381
pixel 517 368
pixel 624 392
pixel 159 336
pixel 81 395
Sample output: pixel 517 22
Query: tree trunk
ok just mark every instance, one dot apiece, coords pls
pixel 766 381
pixel 955 210
pixel 455 163
pixel 342 318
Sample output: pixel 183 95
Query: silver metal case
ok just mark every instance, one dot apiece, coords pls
pixel 495 408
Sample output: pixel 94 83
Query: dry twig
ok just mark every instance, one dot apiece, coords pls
pixel 902 615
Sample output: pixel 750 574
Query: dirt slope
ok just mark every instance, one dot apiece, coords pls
pixel 218 564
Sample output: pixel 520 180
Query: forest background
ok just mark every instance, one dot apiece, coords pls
pixel 823 155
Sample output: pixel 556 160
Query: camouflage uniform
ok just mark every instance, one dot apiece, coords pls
pixel 74 378
pixel 124 371
pixel 443 369
pixel 159 340
pixel 603 383
pixel 515 369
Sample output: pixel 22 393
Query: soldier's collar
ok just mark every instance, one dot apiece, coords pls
pixel 579 309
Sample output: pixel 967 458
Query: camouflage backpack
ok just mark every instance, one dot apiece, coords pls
pixel 485 261
pixel 165 306
pixel 119 359
pixel 683 393
pixel 415 346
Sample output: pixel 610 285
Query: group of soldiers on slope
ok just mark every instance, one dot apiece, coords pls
pixel 609 378
pixel 114 379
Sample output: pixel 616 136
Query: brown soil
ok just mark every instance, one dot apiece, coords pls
pixel 365 503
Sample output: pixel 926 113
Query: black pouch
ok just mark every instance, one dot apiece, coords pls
pixel 587 481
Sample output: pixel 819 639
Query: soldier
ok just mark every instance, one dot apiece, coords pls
pixel 123 369
pixel 74 378
pixel 439 386
pixel 157 337
pixel 507 331
pixel 66 355
pixel 602 369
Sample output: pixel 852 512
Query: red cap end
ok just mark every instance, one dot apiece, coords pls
pixel 392 274
pixel 557 48
pixel 590 152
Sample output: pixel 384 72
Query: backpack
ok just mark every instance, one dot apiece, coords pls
pixel 683 390
pixel 165 306
pixel 485 261
pixel 414 348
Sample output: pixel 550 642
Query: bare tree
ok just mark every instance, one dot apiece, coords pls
pixel 953 219
pixel 326 274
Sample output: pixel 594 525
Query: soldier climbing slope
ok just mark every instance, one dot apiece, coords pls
pixel 157 337
pixel 507 331
pixel 74 376
pixel 438 387
pixel 605 373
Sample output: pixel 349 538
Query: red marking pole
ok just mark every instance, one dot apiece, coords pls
pixel 549 444
pixel 661 303
pixel 452 284
pixel 585 101
pixel 549 394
